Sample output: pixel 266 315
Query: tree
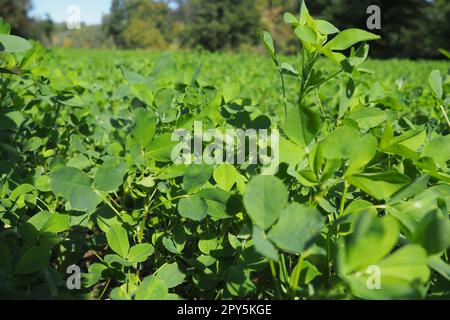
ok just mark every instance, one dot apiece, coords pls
pixel 139 24
pixel 16 13
pixel 410 28
pixel 149 25
pixel 438 31
pixel 115 23
pixel 216 25
pixel 272 20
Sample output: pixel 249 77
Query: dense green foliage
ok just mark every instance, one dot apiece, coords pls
pixel 227 24
pixel 140 24
pixel 86 176
pixel 412 28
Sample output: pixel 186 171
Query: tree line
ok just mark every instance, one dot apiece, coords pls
pixel 409 28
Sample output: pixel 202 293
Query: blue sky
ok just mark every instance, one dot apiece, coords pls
pixel 91 10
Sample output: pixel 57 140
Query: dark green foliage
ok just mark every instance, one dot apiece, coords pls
pixel 216 25
pixel 409 28
pixel 360 197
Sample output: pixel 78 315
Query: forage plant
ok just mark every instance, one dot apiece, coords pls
pixel 93 205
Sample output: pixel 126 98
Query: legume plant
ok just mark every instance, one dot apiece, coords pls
pixel 356 209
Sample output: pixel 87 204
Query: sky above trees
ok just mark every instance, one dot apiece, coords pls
pixel 92 11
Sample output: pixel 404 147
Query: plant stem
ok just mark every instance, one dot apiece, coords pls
pixel 296 276
pixel 283 87
pixel 176 198
pixel 41 201
pixel 113 201
pixel 108 203
pixel 274 276
pixel 144 218
pixel 445 115
pixel 98 257
pixel 344 195
pixel 104 289
pixel 342 205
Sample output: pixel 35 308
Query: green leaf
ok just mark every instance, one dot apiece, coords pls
pixel 193 208
pixel 433 233
pixel 115 260
pixel 371 239
pixel 359 56
pixel 368 118
pixel 165 68
pixel 412 139
pixel 289 18
pixel 290 152
pixel 288 69
pixel 239 282
pixel 147 182
pixel 382 185
pixel 56 223
pixel 306 34
pixel 120 293
pixel 83 198
pixel 417 186
pixel 42 183
pixel 163 100
pixel 5 28
pixel 350 37
pixel 439 150
pixel 140 252
pixel 445 53
pixel 151 288
pixel 208 243
pixel 33 260
pixel 12 44
pixel 172 246
pixel 308 273
pixel 401 276
pixel 346 94
pixel 21 190
pixel 264 200
pixel 301 125
pixel 435 81
pixel 405 145
pixel 413 212
pixel 226 176
pixel 196 176
pixel 161 148
pixel 297 228
pixel 340 143
pixel 109 176
pixel 73 101
pixel 171 275
pixel 325 27
pixel 144 127
pixel 359 206
pixel 79 161
pixel 39 219
pixel 304 12
pixel 262 245
pixel 217 200
pixel 268 42
pixel 95 274
pixel 438 265
pixel 64 180
pixel 164 97
pixel 117 238
pixel 363 151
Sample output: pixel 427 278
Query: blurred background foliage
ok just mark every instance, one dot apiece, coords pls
pixel 410 28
